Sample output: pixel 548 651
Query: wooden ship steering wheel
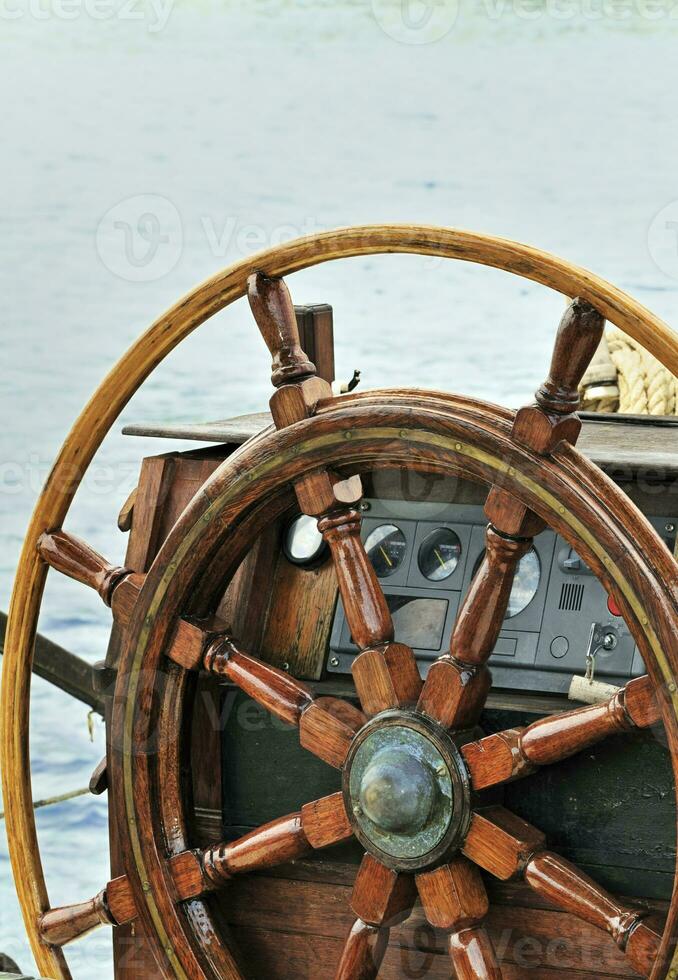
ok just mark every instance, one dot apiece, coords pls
pixel 415 771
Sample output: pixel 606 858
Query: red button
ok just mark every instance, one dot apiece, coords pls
pixel 613 607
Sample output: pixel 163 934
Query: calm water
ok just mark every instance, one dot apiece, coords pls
pixel 140 156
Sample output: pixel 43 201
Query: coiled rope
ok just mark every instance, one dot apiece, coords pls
pixel 624 378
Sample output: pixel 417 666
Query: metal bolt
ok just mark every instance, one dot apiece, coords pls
pixel 671 686
pixel 609 641
pixel 286 666
pixel 365 505
pixel 669 528
pixel 334 661
pixel 357 809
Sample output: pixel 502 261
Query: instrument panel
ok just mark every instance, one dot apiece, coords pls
pixel 425 555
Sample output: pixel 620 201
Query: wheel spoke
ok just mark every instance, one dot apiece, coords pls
pixel 119 587
pixel 326 725
pixel 363 952
pixel 385 673
pixel 113 906
pixel 457 685
pixel 275 843
pixel 274 689
pixel 325 822
pixel 381 898
pixel 454 899
pixel 508 847
pixel 518 751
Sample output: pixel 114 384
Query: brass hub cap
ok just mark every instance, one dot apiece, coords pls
pixel 406 790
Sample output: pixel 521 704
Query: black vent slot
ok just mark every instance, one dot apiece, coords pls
pixel 571 596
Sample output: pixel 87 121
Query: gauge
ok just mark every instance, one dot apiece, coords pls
pixel 525 583
pixel 439 554
pixel 386 547
pixel 303 543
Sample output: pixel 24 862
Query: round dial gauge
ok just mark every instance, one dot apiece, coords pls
pixel 525 584
pixel 386 547
pixel 439 554
pixel 303 543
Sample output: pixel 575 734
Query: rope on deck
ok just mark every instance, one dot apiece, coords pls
pixel 624 378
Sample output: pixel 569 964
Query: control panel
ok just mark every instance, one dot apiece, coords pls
pixel 425 555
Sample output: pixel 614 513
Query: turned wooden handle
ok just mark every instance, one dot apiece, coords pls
pixel 482 612
pixel 473 955
pixel 367 612
pixel 580 332
pixel 556 879
pixel 278 842
pixel 273 310
pixel 73 557
pixel 63 925
pixel 279 693
pixel 363 952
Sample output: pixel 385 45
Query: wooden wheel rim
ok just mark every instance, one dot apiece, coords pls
pixel 470 440
pixel 129 374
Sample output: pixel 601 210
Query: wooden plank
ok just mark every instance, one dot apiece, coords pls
pixel 299 620
pixel 316 333
pixel 62 669
pixel 319 916
pixel 609 444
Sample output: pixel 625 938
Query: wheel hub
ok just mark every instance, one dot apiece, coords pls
pixel 407 790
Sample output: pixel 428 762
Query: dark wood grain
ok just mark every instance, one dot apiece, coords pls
pixel 325 821
pixel 363 952
pixel 455 900
pixel 553 418
pixel 561 882
pixel 277 842
pixel 386 677
pixel 579 333
pixel 273 310
pixel 279 693
pixel 114 905
pixel 75 558
pixel 367 613
pixel 327 728
pixel 304 909
pixel 457 685
pixel 381 896
pixel 507 847
pixel 516 752
pixel 500 842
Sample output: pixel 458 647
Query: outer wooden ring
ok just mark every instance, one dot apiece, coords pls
pixel 471 439
pixel 118 387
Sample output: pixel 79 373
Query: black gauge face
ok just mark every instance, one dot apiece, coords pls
pixel 439 554
pixel 386 547
pixel 303 543
pixel 525 583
